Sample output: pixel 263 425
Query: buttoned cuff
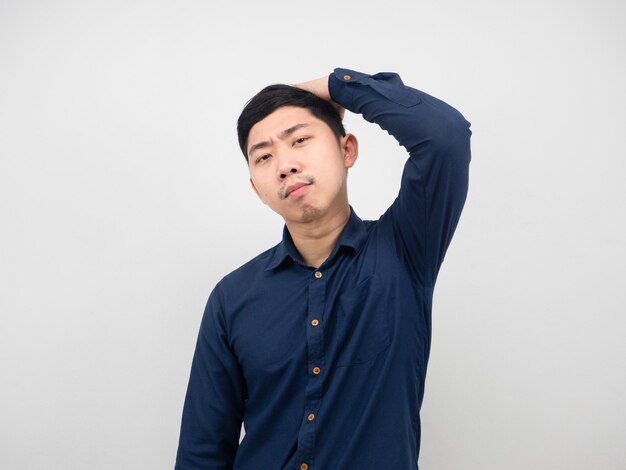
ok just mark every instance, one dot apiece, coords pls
pixel 338 86
pixel 344 83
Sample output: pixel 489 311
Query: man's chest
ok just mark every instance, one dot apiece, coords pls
pixel 342 316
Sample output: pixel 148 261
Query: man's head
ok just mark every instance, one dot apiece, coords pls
pixel 298 153
pixel 272 97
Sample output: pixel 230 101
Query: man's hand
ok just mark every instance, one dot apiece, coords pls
pixel 319 87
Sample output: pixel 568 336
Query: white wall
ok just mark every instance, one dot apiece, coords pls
pixel 124 199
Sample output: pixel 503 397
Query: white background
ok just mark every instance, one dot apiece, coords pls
pixel 124 199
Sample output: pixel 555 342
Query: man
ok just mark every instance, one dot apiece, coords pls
pixel 320 344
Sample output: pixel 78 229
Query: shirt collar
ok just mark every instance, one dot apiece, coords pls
pixel 352 236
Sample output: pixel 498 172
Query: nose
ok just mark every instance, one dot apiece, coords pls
pixel 285 173
pixel 288 167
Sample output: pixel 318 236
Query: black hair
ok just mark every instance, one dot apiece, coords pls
pixel 272 97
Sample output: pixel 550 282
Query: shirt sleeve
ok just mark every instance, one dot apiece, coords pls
pixel 215 400
pixel 433 188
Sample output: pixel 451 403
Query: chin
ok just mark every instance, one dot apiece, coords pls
pixel 302 215
pixel 310 213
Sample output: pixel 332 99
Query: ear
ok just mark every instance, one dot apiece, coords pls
pixel 350 148
pixel 256 190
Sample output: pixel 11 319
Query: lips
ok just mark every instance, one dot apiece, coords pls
pixel 294 187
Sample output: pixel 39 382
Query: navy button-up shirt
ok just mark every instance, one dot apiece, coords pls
pixel 326 366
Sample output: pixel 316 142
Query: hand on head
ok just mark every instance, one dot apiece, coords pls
pixel 319 87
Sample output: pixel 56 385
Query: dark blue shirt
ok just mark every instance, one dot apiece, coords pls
pixel 326 367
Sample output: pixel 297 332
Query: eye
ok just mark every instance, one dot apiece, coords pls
pixel 301 140
pixel 262 158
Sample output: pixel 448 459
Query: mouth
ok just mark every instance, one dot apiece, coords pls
pixel 295 189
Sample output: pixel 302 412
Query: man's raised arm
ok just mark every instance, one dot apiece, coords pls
pixel 434 183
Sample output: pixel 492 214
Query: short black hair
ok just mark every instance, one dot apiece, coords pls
pixel 272 97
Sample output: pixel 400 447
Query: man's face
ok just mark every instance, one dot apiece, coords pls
pixel 296 165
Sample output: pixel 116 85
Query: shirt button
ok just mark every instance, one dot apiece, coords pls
pixel 311 417
pixel 318 274
pixel 304 466
pixel 315 322
pixel 347 77
pixel 316 370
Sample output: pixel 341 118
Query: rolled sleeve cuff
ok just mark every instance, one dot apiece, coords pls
pixel 344 83
pixel 340 86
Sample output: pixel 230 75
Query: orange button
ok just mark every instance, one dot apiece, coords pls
pixel 347 77
pixel 316 370
pixel 304 466
pixel 318 274
pixel 311 417
pixel 315 322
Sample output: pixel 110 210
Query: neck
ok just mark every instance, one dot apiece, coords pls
pixel 315 240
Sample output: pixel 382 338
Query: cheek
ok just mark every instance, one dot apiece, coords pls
pixel 264 194
pixel 269 196
pixel 334 174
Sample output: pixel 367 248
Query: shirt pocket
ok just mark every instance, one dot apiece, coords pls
pixel 362 325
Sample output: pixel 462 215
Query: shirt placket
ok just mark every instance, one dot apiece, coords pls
pixel 315 369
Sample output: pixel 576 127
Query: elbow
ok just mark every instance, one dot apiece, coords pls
pixel 452 137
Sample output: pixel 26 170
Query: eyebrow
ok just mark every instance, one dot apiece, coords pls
pixel 282 136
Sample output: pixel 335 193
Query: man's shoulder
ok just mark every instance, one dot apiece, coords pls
pixel 245 274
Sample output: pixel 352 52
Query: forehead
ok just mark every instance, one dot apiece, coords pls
pixel 280 120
